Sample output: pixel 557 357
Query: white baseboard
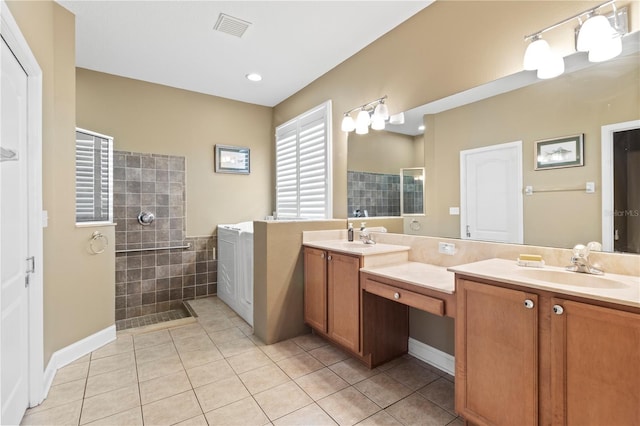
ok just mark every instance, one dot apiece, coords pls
pixel 432 356
pixel 76 350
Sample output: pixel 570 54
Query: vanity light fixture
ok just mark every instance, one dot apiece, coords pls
pixel 374 114
pixel 596 35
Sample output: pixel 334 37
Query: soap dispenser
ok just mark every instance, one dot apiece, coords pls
pixel 350 232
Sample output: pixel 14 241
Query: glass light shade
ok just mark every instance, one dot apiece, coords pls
pixel 377 123
pixel 397 118
pixel 535 54
pixel 362 129
pixel 606 49
pixel 381 112
pixel 348 125
pixel 552 67
pixel 362 122
pixel 592 32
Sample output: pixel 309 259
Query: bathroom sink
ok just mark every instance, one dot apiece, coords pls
pixel 348 245
pixel 572 278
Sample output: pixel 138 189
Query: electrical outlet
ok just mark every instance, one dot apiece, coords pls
pixel 447 248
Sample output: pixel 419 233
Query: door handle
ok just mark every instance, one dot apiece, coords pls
pixel 31 265
pixel 468 232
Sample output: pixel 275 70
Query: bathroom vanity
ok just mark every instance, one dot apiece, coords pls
pixel 533 345
pixel 358 296
pixel 546 346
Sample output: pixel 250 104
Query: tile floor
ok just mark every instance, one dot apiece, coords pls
pixel 214 371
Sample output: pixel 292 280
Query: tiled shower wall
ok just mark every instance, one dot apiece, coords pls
pixel 378 193
pixel 149 282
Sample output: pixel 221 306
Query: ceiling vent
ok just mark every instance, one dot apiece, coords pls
pixel 230 25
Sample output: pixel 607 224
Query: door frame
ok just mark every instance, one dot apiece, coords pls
pixel 606 138
pixel 12 35
pixel 463 187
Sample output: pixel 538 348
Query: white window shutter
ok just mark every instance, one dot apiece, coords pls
pixel 94 154
pixel 303 165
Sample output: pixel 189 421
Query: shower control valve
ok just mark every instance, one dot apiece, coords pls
pixel 146 218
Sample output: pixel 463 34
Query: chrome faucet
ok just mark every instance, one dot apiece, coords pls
pixel 365 237
pixel 580 261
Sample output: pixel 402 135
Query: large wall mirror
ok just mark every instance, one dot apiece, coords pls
pixel 558 212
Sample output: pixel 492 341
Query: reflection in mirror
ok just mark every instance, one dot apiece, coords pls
pixel 626 191
pixel 412 195
pixel 519 107
pixel 373 166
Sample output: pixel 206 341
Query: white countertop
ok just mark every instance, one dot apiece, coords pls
pixel 613 288
pixel 416 273
pixel 356 247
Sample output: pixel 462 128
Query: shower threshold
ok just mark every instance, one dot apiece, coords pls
pixel 152 319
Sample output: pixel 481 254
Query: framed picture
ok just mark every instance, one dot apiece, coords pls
pixel 560 152
pixel 232 159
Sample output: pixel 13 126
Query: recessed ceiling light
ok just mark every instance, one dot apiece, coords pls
pixel 254 76
pixel 421 127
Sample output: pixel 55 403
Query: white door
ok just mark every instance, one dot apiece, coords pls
pixel 491 193
pixel 14 356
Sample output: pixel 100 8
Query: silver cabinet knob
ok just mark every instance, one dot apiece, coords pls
pixel 396 296
pixel 528 304
pixel 321 255
pixel 558 310
pixel 329 257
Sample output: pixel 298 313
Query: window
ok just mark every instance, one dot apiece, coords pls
pixel 94 158
pixel 303 165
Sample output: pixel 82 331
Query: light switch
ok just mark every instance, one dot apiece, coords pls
pixel 591 187
pixel 454 211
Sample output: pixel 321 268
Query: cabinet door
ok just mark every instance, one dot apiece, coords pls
pixel 315 289
pixel 496 355
pixel 595 365
pixel 344 300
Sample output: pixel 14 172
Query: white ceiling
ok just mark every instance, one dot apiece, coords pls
pixel 290 43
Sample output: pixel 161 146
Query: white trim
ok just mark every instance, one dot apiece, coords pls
pixel 606 142
pixel 75 351
pixel 15 40
pixel 432 356
pixel 463 187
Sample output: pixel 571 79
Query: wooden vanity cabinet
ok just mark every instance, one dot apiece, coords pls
pixel 496 355
pixel 595 365
pixel 343 300
pixel 525 358
pixel 332 296
pixel 315 289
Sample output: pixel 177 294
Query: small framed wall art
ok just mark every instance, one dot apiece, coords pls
pixel 555 153
pixel 232 159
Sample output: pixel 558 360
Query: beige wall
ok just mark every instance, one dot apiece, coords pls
pixel 571 104
pixel 150 118
pixel 381 152
pixel 414 64
pixel 78 287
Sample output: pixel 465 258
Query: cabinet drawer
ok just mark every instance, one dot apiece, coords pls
pixel 409 298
